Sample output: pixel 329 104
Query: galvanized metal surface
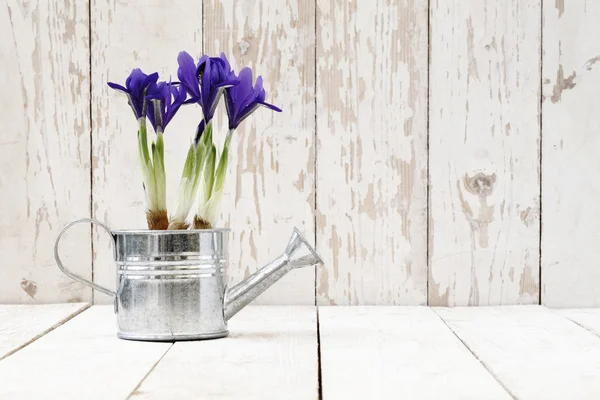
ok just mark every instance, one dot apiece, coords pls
pixel 172 284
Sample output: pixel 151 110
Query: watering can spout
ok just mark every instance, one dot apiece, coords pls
pixel 298 254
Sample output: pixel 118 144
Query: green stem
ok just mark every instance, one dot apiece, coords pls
pixel 144 140
pixel 187 190
pixel 223 161
pixel 211 203
pixel 159 172
pixel 209 173
pixel 146 166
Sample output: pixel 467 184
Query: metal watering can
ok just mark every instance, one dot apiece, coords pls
pixel 172 285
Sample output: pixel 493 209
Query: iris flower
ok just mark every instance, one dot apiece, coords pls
pixel 140 89
pixel 205 167
pixel 136 88
pixel 166 98
pixel 205 82
pixel 243 99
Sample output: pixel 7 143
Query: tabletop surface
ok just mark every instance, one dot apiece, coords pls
pixel 70 351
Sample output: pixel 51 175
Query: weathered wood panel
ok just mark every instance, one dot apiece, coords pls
pixel 271 174
pixel 532 351
pixel 397 353
pixel 21 324
pixel 484 152
pixel 44 148
pixel 571 145
pixel 372 151
pixel 126 36
pixel 271 353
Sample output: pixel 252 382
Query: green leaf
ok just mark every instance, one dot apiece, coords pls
pixel 160 179
pixel 221 170
pixel 144 141
pixel 160 145
pixel 211 210
pixel 190 161
pixel 198 165
pixel 147 173
pixel 209 173
pixel 207 136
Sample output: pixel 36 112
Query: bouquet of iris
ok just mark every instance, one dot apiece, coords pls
pixel 204 171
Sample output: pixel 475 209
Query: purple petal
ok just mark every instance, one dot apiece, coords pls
pixel 201 65
pixel 150 115
pixel 245 113
pixel 150 79
pixel 269 106
pixel 187 74
pixel 245 85
pixel 226 62
pixel 181 95
pixel 116 86
pixel 230 107
pixel 228 83
pixel 258 86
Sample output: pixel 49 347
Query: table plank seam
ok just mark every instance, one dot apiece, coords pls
pixel 581 325
pixel 319 373
pixel 475 355
pixel 46 331
pixel 135 389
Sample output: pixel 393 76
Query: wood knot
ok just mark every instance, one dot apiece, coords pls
pixel 244 46
pixel 480 184
pixel 29 287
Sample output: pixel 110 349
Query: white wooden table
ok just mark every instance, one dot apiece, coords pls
pixel 70 351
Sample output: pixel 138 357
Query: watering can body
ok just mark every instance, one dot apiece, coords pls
pixel 172 285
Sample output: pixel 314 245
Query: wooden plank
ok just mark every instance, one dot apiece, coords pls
pixel 589 318
pixel 372 151
pixel 82 359
pixel 271 353
pixel 533 352
pixel 395 353
pixel 117 48
pixel 44 148
pixel 484 152
pixel 571 145
pixel 271 174
pixel 22 324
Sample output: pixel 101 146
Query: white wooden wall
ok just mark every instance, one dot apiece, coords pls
pixel 436 151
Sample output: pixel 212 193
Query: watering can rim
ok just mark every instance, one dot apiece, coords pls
pixel 169 231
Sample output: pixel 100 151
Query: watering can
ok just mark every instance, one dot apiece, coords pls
pixel 172 284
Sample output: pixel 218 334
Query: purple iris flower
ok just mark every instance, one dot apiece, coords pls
pixel 241 100
pixel 165 99
pixel 205 82
pixel 136 88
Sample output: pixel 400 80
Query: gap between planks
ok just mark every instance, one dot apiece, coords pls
pixel 135 390
pixel 45 331
pixel 533 329
pixel 474 354
pixel 531 350
pixel 320 375
pixel 271 353
pixel 398 352
pixel 588 318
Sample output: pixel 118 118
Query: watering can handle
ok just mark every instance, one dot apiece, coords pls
pixel 71 274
